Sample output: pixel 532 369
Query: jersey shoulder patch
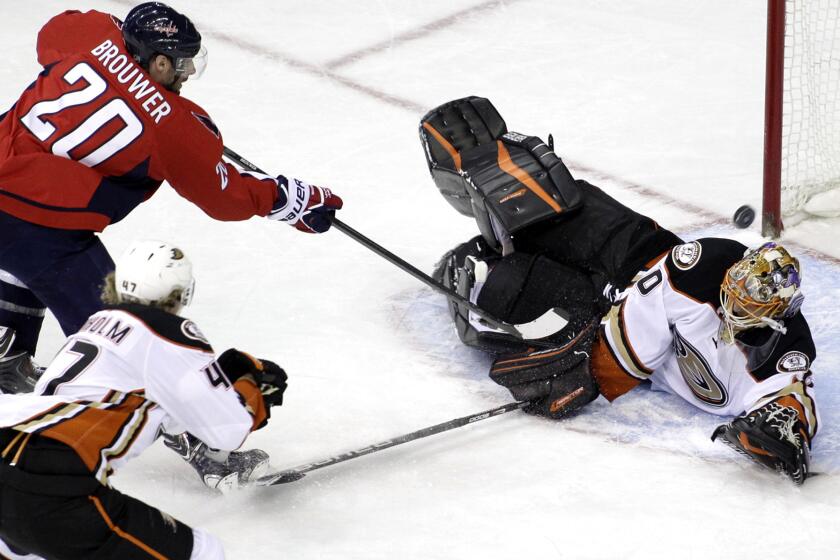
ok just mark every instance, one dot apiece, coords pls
pixel 169 326
pixel 687 255
pixel 793 362
pixel 770 352
pixel 696 269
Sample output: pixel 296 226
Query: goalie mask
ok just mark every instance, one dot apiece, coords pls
pixel 759 290
pixel 152 271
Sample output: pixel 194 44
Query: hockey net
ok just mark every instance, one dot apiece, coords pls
pixel 803 87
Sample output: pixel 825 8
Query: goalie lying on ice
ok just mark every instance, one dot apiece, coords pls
pixel 710 320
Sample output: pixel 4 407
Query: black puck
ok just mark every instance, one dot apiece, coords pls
pixel 744 216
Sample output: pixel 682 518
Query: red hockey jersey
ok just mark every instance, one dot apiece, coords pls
pixel 94 136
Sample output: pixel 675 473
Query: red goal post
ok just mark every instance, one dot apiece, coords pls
pixel 802 112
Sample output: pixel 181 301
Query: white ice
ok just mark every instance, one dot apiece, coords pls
pixel 660 102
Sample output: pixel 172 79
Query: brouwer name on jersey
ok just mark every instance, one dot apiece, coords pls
pixel 120 65
pixel 697 373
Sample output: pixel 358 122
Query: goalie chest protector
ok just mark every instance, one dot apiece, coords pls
pixel 505 180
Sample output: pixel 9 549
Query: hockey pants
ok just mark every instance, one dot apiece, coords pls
pixel 40 268
pixel 71 516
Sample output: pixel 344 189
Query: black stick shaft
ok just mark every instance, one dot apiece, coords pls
pixel 402 264
pixel 425 278
pixel 298 472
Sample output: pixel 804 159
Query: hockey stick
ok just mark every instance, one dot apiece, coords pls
pixel 545 325
pixel 291 475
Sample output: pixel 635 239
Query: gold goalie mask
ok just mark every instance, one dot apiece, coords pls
pixel 760 290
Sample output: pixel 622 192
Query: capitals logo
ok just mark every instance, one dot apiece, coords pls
pixel 169 29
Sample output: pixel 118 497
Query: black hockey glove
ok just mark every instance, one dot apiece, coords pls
pixel 558 380
pixel 236 364
pixel 270 378
pixel 773 436
pixel 273 382
pixel 557 396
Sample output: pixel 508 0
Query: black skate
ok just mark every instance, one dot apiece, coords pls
pixel 773 436
pixel 221 470
pixel 18 373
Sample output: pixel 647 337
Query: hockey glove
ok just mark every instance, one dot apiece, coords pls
pixel 558 380
pixel 773 436
pixel 560 395
pixel 237 364
pixel 268 376
pixel 259 386
pixel 272 380
pixel 308 208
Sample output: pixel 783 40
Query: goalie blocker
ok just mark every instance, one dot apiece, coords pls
pixel 558 381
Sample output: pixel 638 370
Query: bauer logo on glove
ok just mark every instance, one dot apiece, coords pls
pixel 308 208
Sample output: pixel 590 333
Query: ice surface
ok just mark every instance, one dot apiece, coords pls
pixel 660 102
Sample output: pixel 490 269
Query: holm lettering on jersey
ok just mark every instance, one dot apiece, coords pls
pixel 127 72
pixel 108 327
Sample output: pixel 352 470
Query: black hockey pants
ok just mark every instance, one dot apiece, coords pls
pixel 50 505
pixel 604 238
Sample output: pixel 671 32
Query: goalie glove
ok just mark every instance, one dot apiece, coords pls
pixel 308 208
pixel 773 436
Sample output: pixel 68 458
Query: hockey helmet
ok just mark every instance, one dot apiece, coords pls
pixel 150 271
pixel 760 289
pixel 154 28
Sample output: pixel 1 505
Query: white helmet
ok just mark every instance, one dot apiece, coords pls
pixel 150 270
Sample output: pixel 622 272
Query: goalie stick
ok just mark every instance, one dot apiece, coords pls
pixel 550 322
pixel 291 475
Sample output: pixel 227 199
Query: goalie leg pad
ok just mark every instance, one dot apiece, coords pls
pixel 452 272
pixel 449 129
pixel 522 287
pixel 505 180
pixel 518 289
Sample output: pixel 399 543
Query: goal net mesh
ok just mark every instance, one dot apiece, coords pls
pixel 811 107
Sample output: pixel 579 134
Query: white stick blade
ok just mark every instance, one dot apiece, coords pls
pixel 548 323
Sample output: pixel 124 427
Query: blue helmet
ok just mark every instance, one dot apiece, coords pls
pixel 154 28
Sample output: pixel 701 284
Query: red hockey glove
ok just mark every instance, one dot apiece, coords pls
pixel 307 207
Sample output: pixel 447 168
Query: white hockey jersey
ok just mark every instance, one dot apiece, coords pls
pixel 665 328
pixel 129 373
